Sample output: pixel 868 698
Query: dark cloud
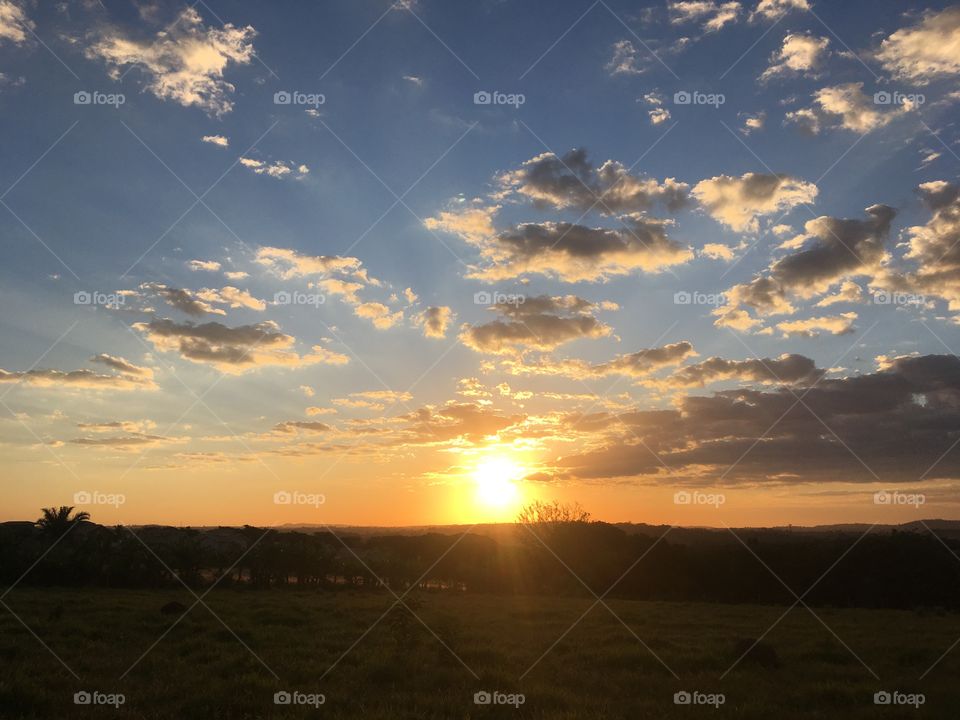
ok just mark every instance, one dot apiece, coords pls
pixel 572 181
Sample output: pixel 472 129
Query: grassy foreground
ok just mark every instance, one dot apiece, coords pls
pixel 599 669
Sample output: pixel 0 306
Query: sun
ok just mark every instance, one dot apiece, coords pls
pixel 496 479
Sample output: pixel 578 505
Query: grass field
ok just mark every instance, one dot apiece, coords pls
pixel 200 669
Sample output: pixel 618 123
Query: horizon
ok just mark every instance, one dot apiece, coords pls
pixel 407 264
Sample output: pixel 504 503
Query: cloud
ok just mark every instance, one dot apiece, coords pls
pixel 624 60
pixel 291 264
pixel 473 224
pixel 776 9
pixel 276 169
pixel 932 248
pixel 572 181
pixel 379 314
pixel 576 252
pixel 787 369
pixel 218 140
pixel 234 297
pixel 834 249
pixel 126 441
pixel 203 301
pixel 233 349
pixel 130 377
pixel 714 15
pixel 739 202
pixel 313 411
pixel 658 114
pixel 127 426
pixel 638 364
pixel 122 365
pixel 849 292
pixel 435 321
pixel 183 300
pixel 801 54
pixel 205 265
pixel 899 420
pixel 377 400
pixel 344 288
pixel 184 63
pixel 753 122
pixel 14 23
pixel 925 51
pixel 834 324
pixel 291 426
pixel 845 107
pixel 541 323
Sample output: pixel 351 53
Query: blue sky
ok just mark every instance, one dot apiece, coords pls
pixel 103 199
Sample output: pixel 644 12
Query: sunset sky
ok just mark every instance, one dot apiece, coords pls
pixel 428 261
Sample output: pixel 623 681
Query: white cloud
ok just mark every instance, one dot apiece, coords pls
pixel 184 63
pixel 924 51
pixel 801 54
pixel 740 202
pixel 14 23
pixel 219 140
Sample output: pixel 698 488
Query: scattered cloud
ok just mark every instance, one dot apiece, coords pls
pixel 739 202
pixel 184 63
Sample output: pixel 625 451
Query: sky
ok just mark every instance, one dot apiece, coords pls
pixel 692 262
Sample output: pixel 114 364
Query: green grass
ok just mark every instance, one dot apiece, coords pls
pixel 199 669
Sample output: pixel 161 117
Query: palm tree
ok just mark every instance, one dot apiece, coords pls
pixel 56 521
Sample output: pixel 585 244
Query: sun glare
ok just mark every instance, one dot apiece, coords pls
pixel 496 479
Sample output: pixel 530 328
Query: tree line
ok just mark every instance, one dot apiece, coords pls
pixel 552 550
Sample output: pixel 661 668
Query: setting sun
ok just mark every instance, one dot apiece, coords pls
pixel 496 479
